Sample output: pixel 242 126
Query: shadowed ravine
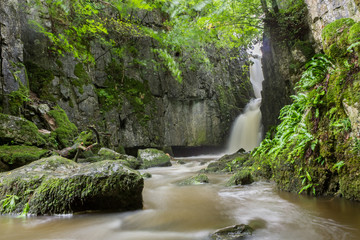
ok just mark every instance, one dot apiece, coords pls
pixel 192 212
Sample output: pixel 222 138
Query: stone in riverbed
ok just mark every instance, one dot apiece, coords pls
pixel 242 177
pixel 153 158
pixel 56 185
pixel 195 180
pixel 235 232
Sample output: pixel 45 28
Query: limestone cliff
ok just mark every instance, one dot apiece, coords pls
pixel 134 103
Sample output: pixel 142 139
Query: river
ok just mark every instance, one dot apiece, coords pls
pixel 173 212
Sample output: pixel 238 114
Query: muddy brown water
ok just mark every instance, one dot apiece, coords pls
pixel 173 212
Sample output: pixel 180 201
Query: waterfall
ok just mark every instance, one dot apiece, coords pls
pixel 246 130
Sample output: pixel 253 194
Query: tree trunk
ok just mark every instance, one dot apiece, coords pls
pixel 264 7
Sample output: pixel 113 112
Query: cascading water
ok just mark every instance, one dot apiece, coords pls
pixel 246 130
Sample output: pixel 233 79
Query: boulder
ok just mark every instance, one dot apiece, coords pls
pixel 195 180
pixel 108 154
pixel 16 156
pixel 153 158
pixel 16 130
pixel 56 185
pixel 235 232
pixel 228 163
pixel 242 177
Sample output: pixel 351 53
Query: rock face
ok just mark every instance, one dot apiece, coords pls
pixel 12 71
pixel 324 12
pixel 287 48
pixel 137 104
pixel 57 185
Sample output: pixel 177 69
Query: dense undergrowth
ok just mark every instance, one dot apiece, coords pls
pixel 315 147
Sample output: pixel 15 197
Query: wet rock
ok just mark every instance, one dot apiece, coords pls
pixel 195 180
pixel 108 154
pixel 15 130
pixel 242 177
pixel 147 175
pixel 56 185
pixel 235 232
pixel 151 157
pixel 228 163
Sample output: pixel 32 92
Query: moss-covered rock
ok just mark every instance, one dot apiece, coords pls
pixel 195 180
pixel 65 130
pixel 56 185
pixel 151 157
pixel 18 155
pixel 336 37
pixel 228 163
pixel 242 177
pixel 235 232
pixel 15 130
pixel 129 161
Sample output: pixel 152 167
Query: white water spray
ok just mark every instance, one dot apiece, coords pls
pixel 246 130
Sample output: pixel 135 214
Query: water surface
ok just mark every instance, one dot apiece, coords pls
pixel 173 212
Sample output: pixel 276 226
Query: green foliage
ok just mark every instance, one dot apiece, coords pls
pixel 170 63
pixel 9 203
pixel 316 70
pixel 186 25
pixel 338 165
pixel 292 134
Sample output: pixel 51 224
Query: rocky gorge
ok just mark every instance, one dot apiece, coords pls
pixel 78 135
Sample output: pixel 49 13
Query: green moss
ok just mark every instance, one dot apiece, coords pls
pixel 153 158
pixel 242 177
pixel 19 155
pixel 39 80
pixel 331 32
pixel 17 100
pixel 335 37
pixel 15 130
pixel 65 131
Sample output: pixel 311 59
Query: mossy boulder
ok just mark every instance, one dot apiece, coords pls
pixel 151 157
pixel 16 130
pixel 242 177
pixel 195 180
pixel 65 130
pixel 18 155
pixel 228 163
pixel 235 232
pixel 130 161
pixel 56 185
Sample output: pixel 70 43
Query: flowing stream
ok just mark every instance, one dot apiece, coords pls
pixel 173 212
